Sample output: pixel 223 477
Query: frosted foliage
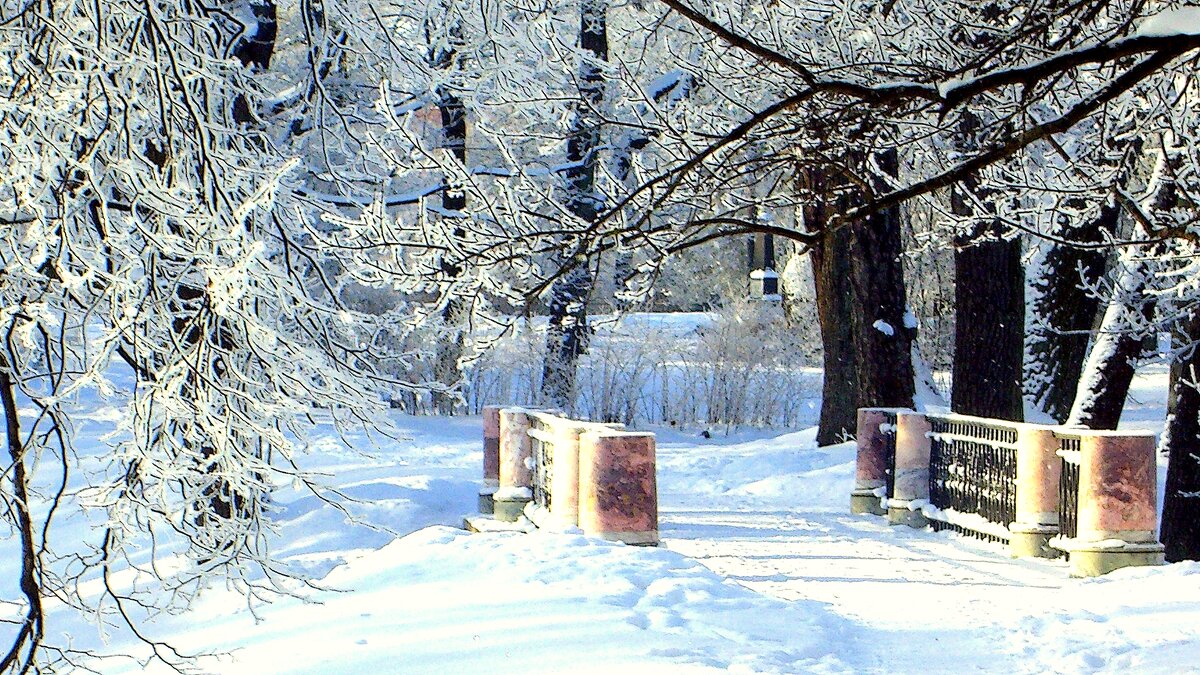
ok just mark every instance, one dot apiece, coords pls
pixel 738 366
pixel 154 250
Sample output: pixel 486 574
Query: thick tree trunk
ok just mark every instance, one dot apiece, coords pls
pixel 450 346
pixel 883 329
pixel 1181 442
pixel 1064 314
pixel 835 305
pixel 1128 324
pixel 989 330
pixel 567 335
pixel 989 305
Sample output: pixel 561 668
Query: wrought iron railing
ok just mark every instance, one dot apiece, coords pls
pixel 1068 485
pixel 541 440
pixel 973 476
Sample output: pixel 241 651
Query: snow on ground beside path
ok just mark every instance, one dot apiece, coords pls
pixel 444 601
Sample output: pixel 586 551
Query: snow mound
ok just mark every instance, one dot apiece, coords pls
pixel 442 601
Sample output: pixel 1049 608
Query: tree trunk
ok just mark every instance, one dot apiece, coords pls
pixel 1181 499
pixel 835 304
pixel 1108 372
pixel 883 335
pixel 567 335
pixel 989 305
pixel 1064 314
pixel 989 330
pixel 453 111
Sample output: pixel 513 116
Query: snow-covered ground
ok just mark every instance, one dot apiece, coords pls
pixel 762 570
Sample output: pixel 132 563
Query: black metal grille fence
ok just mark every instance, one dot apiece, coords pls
pixel 1068 487
pixel 543 462
pixel 973 470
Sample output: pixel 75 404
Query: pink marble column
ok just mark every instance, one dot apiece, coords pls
pixel 491 457
pixel 1118 504
pixel 618 492
pixel 564 482
pixel 1038 470
pixel 912 470
pixel 1118 487
pixel 515 458
pixel 870 476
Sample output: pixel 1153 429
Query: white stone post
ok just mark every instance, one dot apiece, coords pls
pixel 491 458
pixel 870 476
pixel 618 489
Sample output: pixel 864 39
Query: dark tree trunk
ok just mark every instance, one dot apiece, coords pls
pixel 989 305
pixel 1181 442
pixel 1065 314
pixel 989 330
pixel 835 304
pixel 255 49
pixel 567 335
pixel 454 202
pixel 883 339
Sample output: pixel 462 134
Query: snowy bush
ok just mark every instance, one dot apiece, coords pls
pixel 738 366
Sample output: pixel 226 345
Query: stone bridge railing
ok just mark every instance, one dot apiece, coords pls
pixel 1043 490
pixel 560 472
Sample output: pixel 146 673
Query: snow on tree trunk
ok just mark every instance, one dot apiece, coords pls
pixel 1063 311
pixel 567 335
pixel 1108 371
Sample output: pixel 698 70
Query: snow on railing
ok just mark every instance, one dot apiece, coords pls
pixel 557 472
pixel 973 476
pixel 1045 490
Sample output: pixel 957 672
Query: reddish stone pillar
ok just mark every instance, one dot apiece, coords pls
pixel 870 476
pixel 564 482
pixel 1118 503
pixel 618 491
pixel 912 471
pixel 491 457
pixel 515 458
pixel 1038 470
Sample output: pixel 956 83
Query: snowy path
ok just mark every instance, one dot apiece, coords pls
pixel 776 520
pixel 912 593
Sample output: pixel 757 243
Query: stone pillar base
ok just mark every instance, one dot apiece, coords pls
pixel 866 501
pixel 1093 560
pixel 486 504
pixel 648 538
pixel 509 510
pixel 898 513
pixel 1032 541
